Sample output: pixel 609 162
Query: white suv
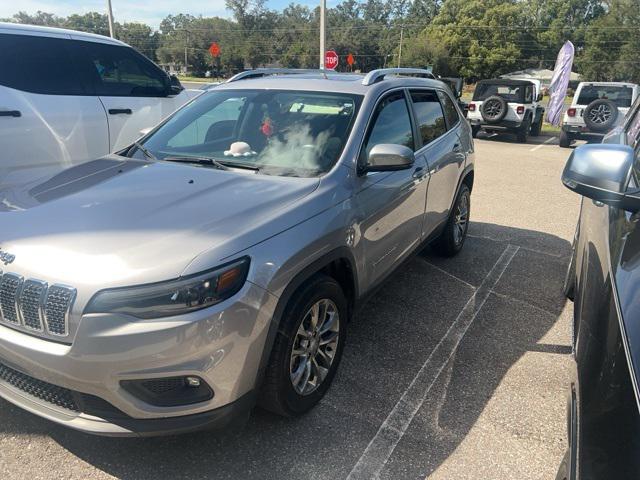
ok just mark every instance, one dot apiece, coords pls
pixel 67 97
pixel 505 105
pixel 597 108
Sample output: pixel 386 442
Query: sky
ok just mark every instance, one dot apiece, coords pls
pixel 150 12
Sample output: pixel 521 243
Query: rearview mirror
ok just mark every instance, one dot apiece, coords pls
pixel 386 157
pixel 602 172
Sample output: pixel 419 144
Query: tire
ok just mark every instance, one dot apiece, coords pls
pixel 565 139
pixel 523 132
pixel 278 393
pixel 536 128
pixel 494 109
pixel 475 129
pixel 451 240
pixel 600 115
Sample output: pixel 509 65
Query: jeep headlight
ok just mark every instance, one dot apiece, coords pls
pixel 174 297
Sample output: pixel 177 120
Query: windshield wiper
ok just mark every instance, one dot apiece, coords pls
pixel 145 151
pixel 197 160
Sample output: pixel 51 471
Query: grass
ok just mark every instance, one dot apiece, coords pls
pixel 188 78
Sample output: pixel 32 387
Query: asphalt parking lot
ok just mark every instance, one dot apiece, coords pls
pixel 457 369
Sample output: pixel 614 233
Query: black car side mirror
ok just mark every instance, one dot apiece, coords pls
pixel 175 87
pixel 539 97
pixel 386 157
pixel 602 172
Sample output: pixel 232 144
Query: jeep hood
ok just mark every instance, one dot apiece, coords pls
pixel 117 221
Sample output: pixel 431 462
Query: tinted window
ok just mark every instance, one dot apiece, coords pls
pixel 38 65
pixel 511 93
pixel 429 115
pixel 391 123
pixel 122 72
pixel 619 95
pixel 450 110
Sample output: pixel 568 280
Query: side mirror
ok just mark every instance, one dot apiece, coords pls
pixel 602 172
pixel 386 157
pixel 175 87
pixel 539 97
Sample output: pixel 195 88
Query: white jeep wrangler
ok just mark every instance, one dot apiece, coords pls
pixel 596 109
pixel 501 105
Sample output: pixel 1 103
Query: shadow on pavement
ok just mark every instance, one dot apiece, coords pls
pixel 389 341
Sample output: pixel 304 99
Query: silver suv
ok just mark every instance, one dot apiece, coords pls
pixel 217 261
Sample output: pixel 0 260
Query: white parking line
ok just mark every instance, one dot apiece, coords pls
pixel 546 142
pixel 382 445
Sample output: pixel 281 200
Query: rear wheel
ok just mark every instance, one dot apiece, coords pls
pixel 536 128
pixel 565 139
pixel 307 349
pixel 452 238
pixel 523 132
pixel 474 130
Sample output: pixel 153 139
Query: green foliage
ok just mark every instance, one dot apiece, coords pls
pixel 471 38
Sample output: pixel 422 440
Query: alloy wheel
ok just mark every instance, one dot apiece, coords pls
pixel 461 219
pixel 314 347
pixel 601 114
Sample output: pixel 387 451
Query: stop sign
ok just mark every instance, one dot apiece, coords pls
pixel 330 60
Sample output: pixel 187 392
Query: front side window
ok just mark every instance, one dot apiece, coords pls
pixel 276 131
pixel 38 65
pixel 121 72
pixel 429 115
pixel 391 124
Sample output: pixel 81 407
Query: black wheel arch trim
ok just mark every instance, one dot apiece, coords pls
pixel 340 253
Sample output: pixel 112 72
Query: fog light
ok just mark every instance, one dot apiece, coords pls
pixel 169 392
pixel 193 382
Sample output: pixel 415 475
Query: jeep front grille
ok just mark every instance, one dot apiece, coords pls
pixel 34 305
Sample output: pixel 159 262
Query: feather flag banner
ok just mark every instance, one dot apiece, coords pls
pixel 560 82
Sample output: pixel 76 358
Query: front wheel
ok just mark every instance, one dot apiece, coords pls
pixel 452 238
pixel 475 129
pixel 536 128
pixel 307 349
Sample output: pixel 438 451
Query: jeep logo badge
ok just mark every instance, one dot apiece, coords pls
pixel 6 257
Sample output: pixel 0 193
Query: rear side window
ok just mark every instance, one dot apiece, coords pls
pixel 122 72
pixel 450 110
pixel 391 124
pixel 429 115
pixel 38 65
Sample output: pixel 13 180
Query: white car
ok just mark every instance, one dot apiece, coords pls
pixel 67 97
pixel 507 105
pixel 596 109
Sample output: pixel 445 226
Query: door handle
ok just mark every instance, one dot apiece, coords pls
pixel 116 111
pixel 10 113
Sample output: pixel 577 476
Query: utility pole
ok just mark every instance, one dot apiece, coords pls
pixel 400 52
pixel 323 7
pixel 110 16
pixel 186 58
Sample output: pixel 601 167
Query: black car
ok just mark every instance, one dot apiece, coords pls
pixel 603 280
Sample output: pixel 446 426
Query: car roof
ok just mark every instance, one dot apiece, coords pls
pixel 610 84
pixel 328 82
pixel 54 32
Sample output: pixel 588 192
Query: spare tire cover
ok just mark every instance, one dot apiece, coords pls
pixel 600 115
pixel 494 109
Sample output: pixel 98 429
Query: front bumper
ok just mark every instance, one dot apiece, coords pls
pixel 222 345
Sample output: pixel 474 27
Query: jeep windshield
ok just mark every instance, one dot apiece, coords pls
pixel 510 92
pixel 619 94
pixel 276 132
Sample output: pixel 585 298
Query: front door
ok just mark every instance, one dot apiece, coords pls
pixel 135 92
pixel 391 203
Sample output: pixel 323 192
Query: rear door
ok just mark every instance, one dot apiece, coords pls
pixel 441 149
pixel 134 91
pixel 49 119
